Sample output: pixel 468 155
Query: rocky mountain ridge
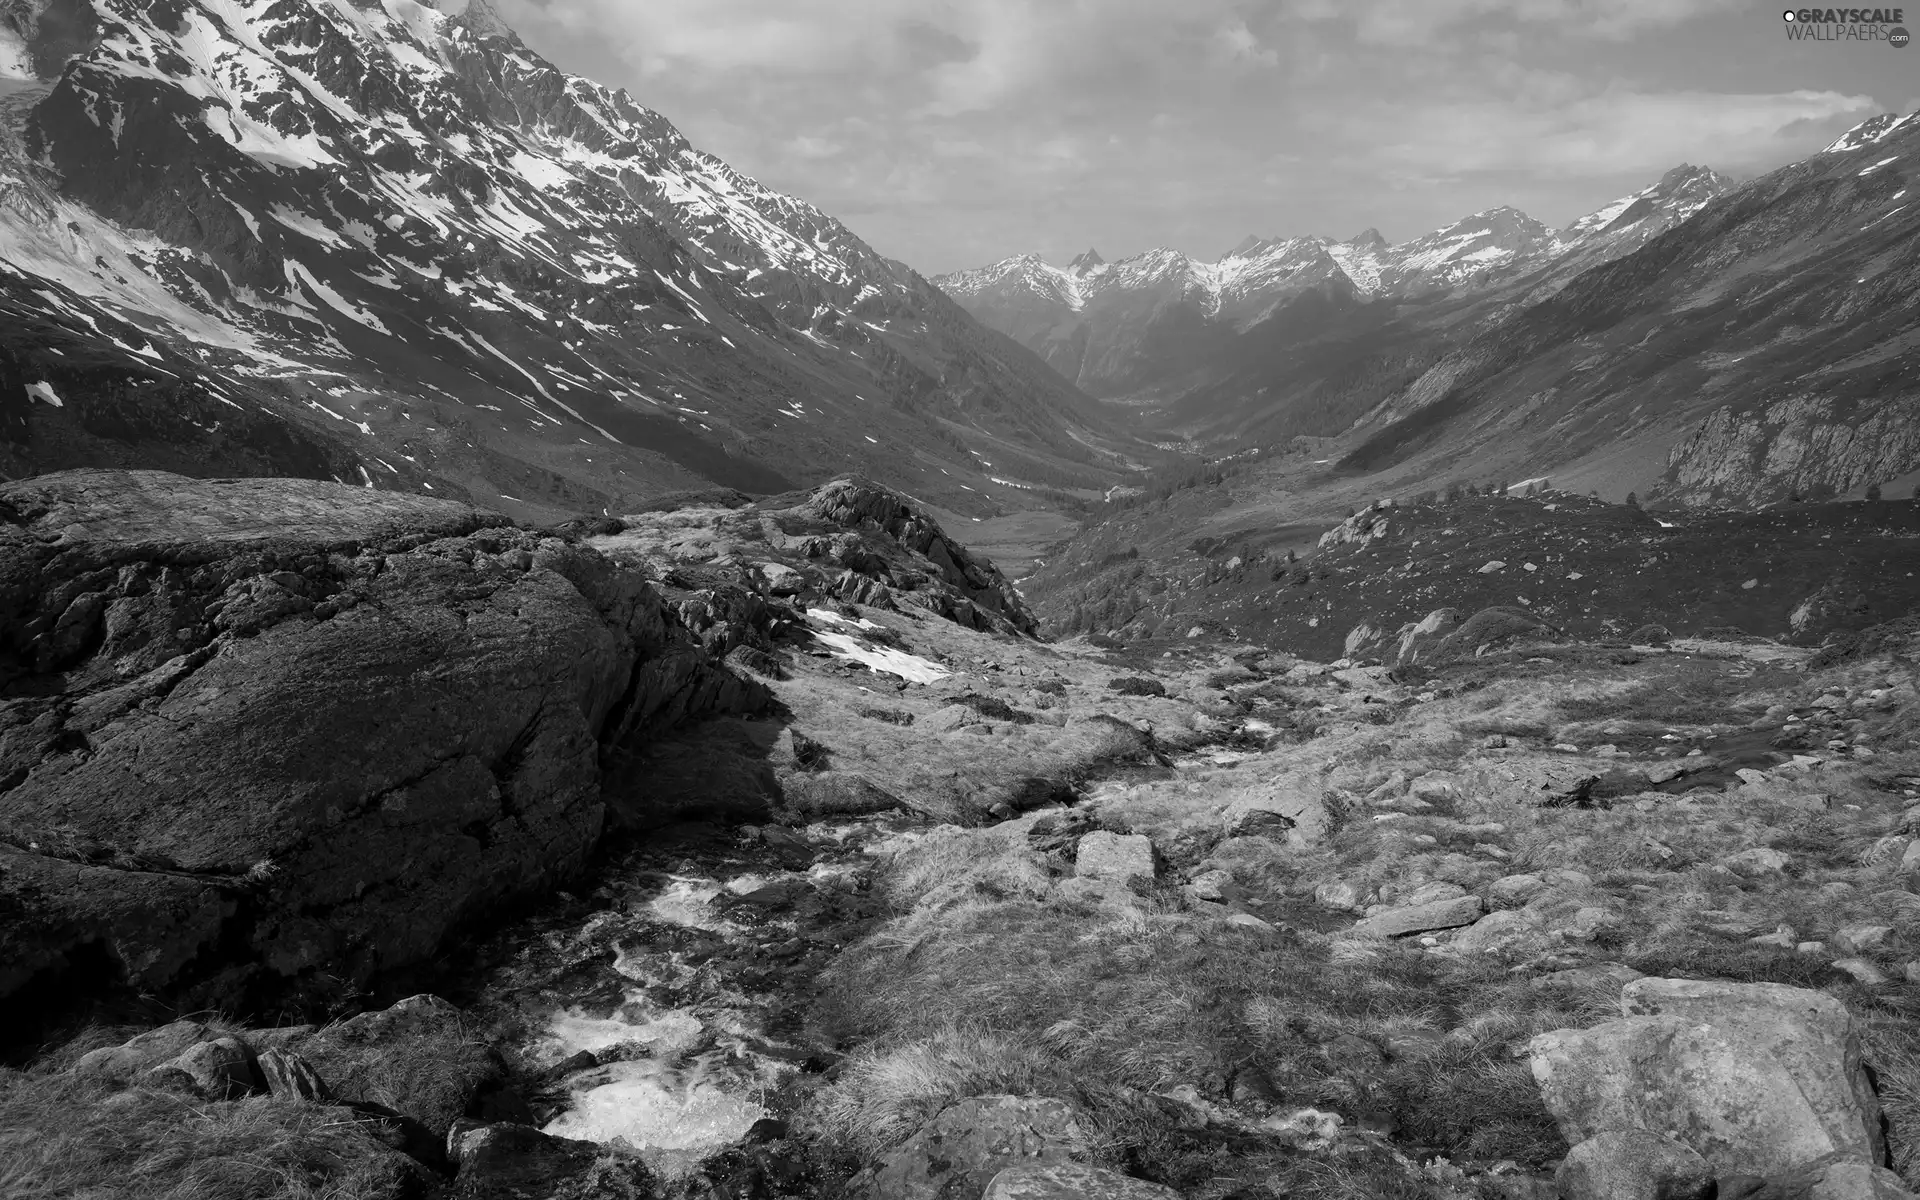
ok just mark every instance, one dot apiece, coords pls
pixel 397 229
pixel 1071 315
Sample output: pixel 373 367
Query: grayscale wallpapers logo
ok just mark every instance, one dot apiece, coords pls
pixel 1847 25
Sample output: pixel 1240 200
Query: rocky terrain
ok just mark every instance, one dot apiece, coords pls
pixel 389 244
pixel 1800 573
pixel 811 871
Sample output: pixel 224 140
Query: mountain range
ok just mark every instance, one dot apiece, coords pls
pixel 1154 321
pixel 1697 341
pixel 387 243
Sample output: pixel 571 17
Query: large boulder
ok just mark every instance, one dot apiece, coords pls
pixel 1758 1079
pixel 259 728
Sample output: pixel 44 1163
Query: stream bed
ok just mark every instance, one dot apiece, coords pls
pixel 665 1012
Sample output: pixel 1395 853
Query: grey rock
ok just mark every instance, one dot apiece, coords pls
pixel 1071 1181
pixel 1441 914
pixel 221 1069
pixel 1114 857
pixel 1755 1078
pixel 289 1076
pixel 1512 891
pixel 472 700
pixel 150 1049
pixel 1634 1164
pixel 960 1150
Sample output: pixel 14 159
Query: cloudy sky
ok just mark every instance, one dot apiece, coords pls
pixel 951 133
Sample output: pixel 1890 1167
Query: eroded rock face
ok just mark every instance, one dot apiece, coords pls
pixel 307 724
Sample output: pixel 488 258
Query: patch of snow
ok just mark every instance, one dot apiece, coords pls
pixel 44 391
pixel 882 658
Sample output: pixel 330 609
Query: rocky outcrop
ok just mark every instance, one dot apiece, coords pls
pixel 252 730
pixel 1795 445
pixel 850 541
pixel 1755 1079
pixel 986 599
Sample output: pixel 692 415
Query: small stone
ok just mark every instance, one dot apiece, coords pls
pixel 1811 947
pixel 1757 862
pixel 1339 894
pixel 1856 938
pixel 1114 857
pixel 1861 970
pixel 1511 891
pixel 1442 914
pixel 1663 773
pixel 291 1077
pixel 1784 937
pixel 222 1069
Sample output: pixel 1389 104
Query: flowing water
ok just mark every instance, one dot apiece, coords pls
pixel 665 1013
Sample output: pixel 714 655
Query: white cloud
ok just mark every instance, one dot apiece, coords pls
pixel 1414 22
pixel 1598 135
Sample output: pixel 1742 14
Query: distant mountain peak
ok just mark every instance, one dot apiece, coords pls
pixel 1082 263
pixel 1247 247
pixel 1368 237
pixel 1871 130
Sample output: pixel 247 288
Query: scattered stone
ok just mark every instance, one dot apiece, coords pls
pixel 1512 891
pixel 961 1149
pixel 1441 914
pixel 1207 885
pixel 836 793
pixel 1601 975
pixel 1114 857
pixel 150 1049
pixel 1497 932
pixel 1072 1181
pixel 222 1069
pixel 1854 939
pixel 1757 862
pixel 291 1077
pixel 1341 894
pixel 1428 893
pixel 1664 772
pixel 1862 971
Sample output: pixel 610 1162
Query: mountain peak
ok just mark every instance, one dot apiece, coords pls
pixel 1087 261
pixel 1247 247
pixel 1368 238
pixel 1871 130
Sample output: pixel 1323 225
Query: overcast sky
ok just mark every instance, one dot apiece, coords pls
pixel 951 133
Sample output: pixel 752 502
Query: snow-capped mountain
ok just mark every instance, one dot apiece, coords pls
pixel 392 223
pixel 1043 306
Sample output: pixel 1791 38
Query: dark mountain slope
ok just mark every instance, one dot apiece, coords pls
pixel 373 208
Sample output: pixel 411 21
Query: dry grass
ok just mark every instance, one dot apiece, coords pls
pixel 78 1139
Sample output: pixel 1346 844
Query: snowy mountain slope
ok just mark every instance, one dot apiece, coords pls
pixel 400 204
pixel 1046 308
